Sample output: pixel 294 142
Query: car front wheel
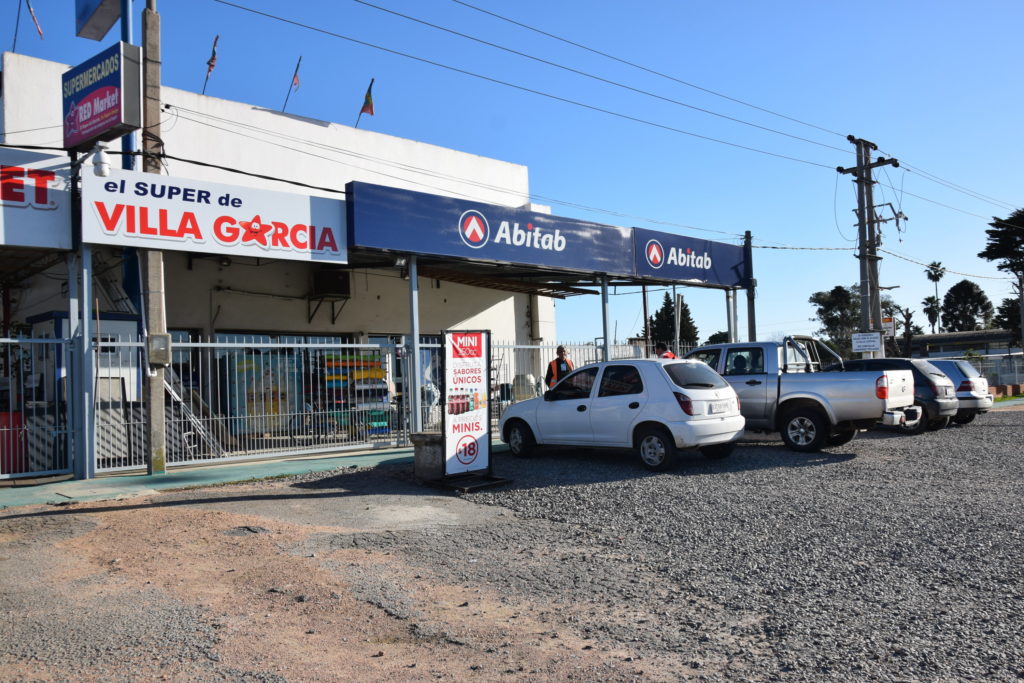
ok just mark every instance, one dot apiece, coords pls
pixel 964 419
pixel 656 449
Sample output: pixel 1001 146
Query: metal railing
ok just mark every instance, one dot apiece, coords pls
pixel 35 434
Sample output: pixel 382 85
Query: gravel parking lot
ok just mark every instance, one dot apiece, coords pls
pixel 890 558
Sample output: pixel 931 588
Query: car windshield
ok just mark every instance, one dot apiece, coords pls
pixel 695 375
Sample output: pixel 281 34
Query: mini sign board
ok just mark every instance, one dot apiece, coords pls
pixel 103 97
pixel 867 341
pixel 149 211
pixel 889 326
pixel 35 200
pixel 467 424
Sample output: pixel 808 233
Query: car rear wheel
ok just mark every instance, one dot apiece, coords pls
pixel 918 428
pixel 718 451
pixel 965 419
pixel 520 439
pixel 938 423
pixel 656 449
pixel 804 430
pixel 841 437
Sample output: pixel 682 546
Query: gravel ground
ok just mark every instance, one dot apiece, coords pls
pixel 889 558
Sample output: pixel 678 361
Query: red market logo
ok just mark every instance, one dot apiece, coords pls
pixel 226 230
pixel 26 187
pixel 469 345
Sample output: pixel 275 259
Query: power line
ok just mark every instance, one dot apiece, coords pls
pixel 644 68
pixel 599 78
pixel 947 270
pixel 523 88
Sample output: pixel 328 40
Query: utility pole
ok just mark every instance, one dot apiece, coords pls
pixel 156 317
pixel 750 284
pixel 867 233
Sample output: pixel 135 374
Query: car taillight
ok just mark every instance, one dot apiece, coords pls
pixel 966 385
pixel 684 402
pixel 737 403
pixel 882 387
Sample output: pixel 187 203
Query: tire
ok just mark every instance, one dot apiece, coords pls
pixel 938 423
pixel 804 430
pixel 718 451
pixel 965 419
pixel 921 425
pixel 520 439
pixel 655 448
pixel 841 437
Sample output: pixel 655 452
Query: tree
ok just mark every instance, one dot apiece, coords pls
pixel 718 338
pixel 965 307
pixel 935 273
pixel 1006 245
pixel 905 322
pixel 932 309
pixel 1008 317
pixel 838 311
pixel 661 324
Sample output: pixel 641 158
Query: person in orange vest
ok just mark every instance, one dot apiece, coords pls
pixel 662 351
pixel 558 368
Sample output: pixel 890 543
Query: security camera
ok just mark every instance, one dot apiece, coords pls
pixel 100 161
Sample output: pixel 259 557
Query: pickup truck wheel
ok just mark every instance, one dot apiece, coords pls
pixel 656 449
pixel 520 439
pixel 938 423
pixel 804 430
pixel 841 437
pixel 718 451
pixel 964 419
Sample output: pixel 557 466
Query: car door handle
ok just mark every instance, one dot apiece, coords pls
pixel 581 409
pixel 753 382
pixel 634 405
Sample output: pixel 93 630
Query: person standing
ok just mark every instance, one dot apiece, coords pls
pixel 558 368
pixel 661 350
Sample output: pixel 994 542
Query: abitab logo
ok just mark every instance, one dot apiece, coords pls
pixel 655 254
pixel 473 229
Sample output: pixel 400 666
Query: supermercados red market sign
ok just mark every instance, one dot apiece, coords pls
pixel 467 425
pixel 151 211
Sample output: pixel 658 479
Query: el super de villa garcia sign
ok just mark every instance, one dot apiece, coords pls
pixel 149 211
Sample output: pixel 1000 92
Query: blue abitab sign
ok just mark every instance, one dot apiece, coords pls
pixel 402 220
pixel 685 259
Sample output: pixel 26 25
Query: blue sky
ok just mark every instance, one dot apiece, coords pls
pixel 936 84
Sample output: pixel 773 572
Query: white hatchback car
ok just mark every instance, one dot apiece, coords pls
pixel 652 406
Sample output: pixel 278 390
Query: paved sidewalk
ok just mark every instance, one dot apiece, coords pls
pixel 123 486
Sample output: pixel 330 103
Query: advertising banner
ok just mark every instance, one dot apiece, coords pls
pixel 103 97
pixel 686 259
pixel 401 220
pixel 150 211
pixel 35 200
pixel 467 423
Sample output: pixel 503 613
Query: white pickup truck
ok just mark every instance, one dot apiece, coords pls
pixel 783 389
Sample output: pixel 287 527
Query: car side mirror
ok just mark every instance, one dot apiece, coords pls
pixel 549 395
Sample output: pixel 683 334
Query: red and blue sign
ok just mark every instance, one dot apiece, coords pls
pixel 415 222
pixel 102 97
pixel 685 259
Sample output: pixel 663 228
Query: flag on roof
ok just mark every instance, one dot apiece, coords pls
pixel 34 20
pixel 212 61
pixel 295 76
pixel 368 100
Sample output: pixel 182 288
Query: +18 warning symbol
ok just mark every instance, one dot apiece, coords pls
pixel 466 450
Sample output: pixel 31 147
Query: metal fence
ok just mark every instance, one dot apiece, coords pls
pixel 35 434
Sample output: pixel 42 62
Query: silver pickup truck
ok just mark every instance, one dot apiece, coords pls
pixel 783 389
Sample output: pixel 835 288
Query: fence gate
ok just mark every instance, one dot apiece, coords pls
pixel 35 435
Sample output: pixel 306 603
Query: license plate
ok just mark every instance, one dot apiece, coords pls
pixel 719 407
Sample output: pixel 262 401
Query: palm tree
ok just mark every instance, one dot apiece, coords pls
pixel 932 309
pixel 935 272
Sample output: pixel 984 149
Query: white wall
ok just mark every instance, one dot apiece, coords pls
pixel 271 296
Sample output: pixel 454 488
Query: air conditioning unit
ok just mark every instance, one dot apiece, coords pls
pixel 331 283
